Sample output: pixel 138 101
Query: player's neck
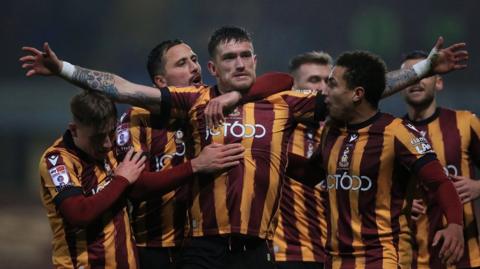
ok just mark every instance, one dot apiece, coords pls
pixel 362 114
pixel 420 113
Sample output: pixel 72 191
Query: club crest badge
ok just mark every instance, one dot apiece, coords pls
pixel 310 150
pixel 344 162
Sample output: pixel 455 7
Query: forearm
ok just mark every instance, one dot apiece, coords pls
pixel 116 88
pixel 398 80
pixel 268 84
pixel 81 210
pixel 155 183
pixel 444 192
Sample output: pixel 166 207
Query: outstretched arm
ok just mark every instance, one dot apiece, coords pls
pixel 46 63
pixel 439 61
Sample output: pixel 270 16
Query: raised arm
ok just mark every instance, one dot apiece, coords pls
pixel 439 61
pixel 46 63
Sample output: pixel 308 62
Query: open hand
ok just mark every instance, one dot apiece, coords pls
pixel 43 63
pixel 468 189
pixel 131 166
pixel 216 157
pixel 452 243
pixel 448 59
pixel 218 106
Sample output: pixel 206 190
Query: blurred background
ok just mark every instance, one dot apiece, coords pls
pixel 117 36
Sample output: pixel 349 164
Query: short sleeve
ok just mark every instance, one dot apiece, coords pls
pixel 177 102
pixel 411 148
pixel 59 176
pixel 305 105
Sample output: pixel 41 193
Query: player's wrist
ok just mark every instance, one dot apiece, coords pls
pixel 456 226
pixel 237 98
pixel 424 67
pixel 195 165
pixel 67 70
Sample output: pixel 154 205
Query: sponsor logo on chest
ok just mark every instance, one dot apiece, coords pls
pixel 237 129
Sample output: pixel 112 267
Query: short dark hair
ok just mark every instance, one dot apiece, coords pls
pixel 93 109
pixel 226 34
pixel 155 63
pixel 314 57
pixel 366 70
pixel 414 55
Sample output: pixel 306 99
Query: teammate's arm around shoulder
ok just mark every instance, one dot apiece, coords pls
pixel 46 63
pixel 264 86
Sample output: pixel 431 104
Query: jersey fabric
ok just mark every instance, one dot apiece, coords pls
pixel 107 242
pixel 298 236
pixel 454 135
pixel 158 221
pixel 242 200
pixel 367 171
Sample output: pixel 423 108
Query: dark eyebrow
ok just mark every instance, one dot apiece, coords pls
pixel 229 55
pixel 246 53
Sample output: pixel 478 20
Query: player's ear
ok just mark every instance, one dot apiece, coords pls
pixel 438 83
pixel 212 68
pixel 73 129
pixel 358 94
pixel 160 81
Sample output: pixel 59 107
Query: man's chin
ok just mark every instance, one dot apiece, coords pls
pixel 418 102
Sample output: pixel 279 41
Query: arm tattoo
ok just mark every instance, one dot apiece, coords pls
pixel 105 83
pixel 95 80
pixel 398 80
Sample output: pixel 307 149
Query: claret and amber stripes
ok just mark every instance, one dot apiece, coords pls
pixel 297 237
pixel 454 136
pixel 105 243
pixel 158 221
pixel 244 199
pixel 365 190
